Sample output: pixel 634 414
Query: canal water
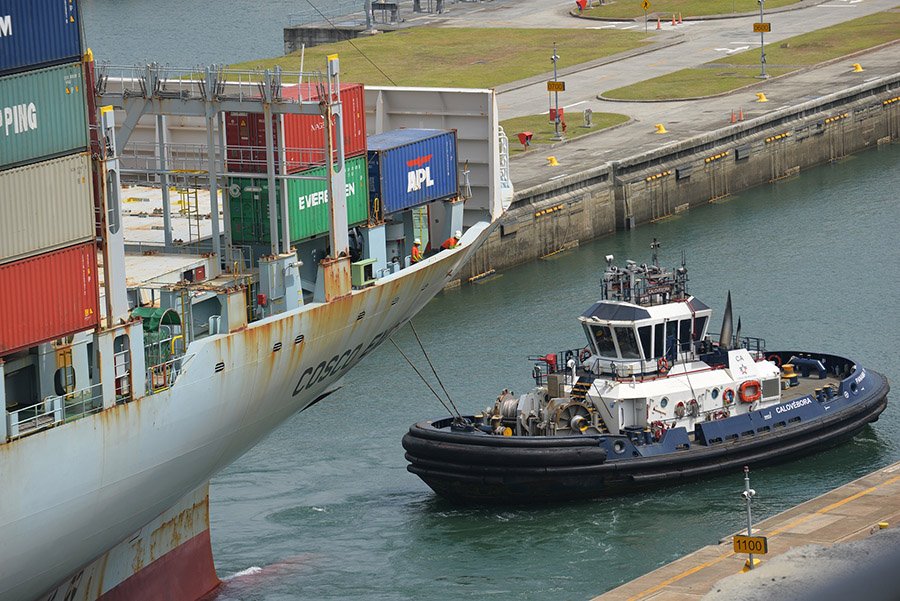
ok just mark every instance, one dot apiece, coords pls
pixel 324 508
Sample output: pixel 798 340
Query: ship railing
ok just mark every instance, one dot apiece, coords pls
pixel 163 375
pixel 54 410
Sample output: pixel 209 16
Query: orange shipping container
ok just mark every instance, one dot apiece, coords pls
pixel 48 296
pixel 304 135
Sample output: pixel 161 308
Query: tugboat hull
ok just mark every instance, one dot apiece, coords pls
pixel 474 467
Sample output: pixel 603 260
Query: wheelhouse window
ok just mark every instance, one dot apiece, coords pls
pixel 684 335
pixel 604 341
pixel 645 336
pixel 659 337
pixel 627 343
pixel 700 326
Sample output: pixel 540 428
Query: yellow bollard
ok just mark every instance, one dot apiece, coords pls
pixel 552 162
pixel 857 68
pixel 661 129
pixel 747 567
pixel 761 97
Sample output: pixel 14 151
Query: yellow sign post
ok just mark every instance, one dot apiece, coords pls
pixel 556 86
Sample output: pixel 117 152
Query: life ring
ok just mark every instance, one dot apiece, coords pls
pixel 750 391
pixel 658 428
pixel 584 355
pixel 774 359
pixel 662 365
pixel 728 397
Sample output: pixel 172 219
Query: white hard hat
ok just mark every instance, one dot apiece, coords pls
pixel 458 234
pixel 417 241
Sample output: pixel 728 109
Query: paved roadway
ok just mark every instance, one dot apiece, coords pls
pixel 689 44
pixel 810 566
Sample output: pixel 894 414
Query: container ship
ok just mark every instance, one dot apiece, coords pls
pixel 135 368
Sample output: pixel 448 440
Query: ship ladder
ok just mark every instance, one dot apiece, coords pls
pixel 579 392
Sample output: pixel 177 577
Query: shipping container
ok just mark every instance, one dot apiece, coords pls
pixel 308 212
pixel 304 135
pixel 36 33
pixel 410 167
pixel 47 297
pixel 42 114
pixel 44 206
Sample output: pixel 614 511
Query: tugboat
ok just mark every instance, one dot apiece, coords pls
pixel 651 399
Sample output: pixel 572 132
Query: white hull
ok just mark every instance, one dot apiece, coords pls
pixel 73 492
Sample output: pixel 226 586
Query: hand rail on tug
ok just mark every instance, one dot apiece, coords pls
pixel 556 363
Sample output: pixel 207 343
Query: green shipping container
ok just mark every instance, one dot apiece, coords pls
pixel 307 208
pixel 42 115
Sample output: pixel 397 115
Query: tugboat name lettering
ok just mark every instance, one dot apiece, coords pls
pixel 793 405
pixel 861 377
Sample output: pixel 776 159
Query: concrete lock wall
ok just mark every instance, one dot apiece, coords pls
pixel 623 194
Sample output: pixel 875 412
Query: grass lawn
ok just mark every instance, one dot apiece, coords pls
pixel 732 72
pixel 544 131
pixel 456 57
pixel 631 9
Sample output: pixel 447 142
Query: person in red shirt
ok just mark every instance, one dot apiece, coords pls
pixel 416 254
pixel 452 241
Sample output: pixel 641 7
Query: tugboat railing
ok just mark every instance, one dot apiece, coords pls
pixel 641 370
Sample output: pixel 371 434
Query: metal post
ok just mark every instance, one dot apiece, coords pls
pixel 557 136
pixel 162 135
pixel 211 115
pixel 762 47
pixel 283 188
pixel 368 9
pixel 748 495
pixel 226 197
pixel 270 170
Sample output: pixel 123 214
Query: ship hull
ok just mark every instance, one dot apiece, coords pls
pixel 73 493
pixel 478 468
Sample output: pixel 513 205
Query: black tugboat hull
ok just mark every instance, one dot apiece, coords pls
pixel 479 468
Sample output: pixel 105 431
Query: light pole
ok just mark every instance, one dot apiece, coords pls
pixel 557 135
pixel 762 36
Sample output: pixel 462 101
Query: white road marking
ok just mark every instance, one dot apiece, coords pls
pixel 568 106
pixel 732 50
pixel 559 176
pixel 602 27
pixel 630 27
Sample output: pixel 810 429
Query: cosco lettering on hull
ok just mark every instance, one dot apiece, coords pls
pixel 338 363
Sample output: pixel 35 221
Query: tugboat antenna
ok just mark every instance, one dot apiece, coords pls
pixel 654 246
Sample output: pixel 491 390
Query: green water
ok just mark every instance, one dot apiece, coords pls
pixel 324 508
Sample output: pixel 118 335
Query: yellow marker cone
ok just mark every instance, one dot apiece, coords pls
pixel 746 567
pixel 552 162
pixel 661 129
pixel 760 97
pixel 857 68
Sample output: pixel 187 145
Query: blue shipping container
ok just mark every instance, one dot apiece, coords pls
pixel 38 33
pixel 410 167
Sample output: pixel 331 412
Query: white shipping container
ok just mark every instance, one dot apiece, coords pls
pixel 45 206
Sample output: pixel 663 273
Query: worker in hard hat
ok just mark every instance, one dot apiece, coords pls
pixel 416 254
pixel 452 241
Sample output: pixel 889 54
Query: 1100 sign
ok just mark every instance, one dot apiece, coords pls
pixel 758 545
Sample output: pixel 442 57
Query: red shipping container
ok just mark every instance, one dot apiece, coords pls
pixel 48 296
pixel 245 133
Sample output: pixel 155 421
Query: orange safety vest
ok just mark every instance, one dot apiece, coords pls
pixel 416 254
pixel 450 242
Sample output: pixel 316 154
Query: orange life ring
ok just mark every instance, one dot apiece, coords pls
pixel 774 359
pixel 662 365
pixel 584 355
pixel 728 397
pixel 754 394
